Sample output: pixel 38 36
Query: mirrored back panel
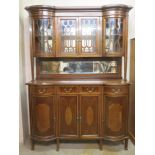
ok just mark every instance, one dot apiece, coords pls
pixel 79 67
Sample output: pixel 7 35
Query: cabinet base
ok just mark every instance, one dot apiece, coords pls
pixel 100 142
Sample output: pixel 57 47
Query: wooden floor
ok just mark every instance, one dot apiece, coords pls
pixel 78 149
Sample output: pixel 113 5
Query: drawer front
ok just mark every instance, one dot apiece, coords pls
pixel 115 90
pixel 43 90
pixel 67 89
pixel 90 89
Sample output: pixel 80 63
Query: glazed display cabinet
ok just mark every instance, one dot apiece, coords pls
pixel 79 89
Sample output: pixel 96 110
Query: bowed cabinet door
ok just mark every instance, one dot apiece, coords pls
pixel 43 35
pixel 43 117
pixel 114 36
pixel 68 115
pixel 115 115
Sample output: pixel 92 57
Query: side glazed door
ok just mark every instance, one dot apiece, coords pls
pixel 43 37
pixel 113 36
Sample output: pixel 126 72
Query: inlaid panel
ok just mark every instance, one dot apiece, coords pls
pixel 115 115
pixel 90 116
pixel 43 116
pixel 68 114
pixel 89 106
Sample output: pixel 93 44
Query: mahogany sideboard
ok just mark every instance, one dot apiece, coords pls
pixel 78 58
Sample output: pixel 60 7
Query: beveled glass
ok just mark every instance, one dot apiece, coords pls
pixel 43 35
pixel 113 35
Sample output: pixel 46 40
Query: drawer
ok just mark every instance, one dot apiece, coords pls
pixel 90 89
pixel 68 89
pixel 43 90
pixel 115 90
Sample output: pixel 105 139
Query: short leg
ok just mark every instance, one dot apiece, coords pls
pixel 126 144
pixel 100 145
pixel 32 144
pixel 58 141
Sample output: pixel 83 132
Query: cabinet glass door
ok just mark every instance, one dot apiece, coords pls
pixel 43 37
pixel 68 35
pixel 113 36
pixel 88 39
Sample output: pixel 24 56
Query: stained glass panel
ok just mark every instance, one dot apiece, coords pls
pixel 89 32
pixel 68 36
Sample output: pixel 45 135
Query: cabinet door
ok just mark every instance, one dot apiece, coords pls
pixel 43 116
pixel 68 114
pixel 43 37
pixel 67 34
pixel 113 36
pixel 89 115
pixel 115 110
pixel 89 36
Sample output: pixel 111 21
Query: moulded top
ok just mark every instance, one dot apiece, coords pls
pixel 117 6
pixel 78 82
pixel 32 7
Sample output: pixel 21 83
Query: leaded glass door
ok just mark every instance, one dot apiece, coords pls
pixel 113 36
pixel 89 36
pixel 44 41
pixel 68 32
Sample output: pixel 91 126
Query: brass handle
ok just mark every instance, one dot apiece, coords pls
pixel 90 90
pixel 116 90
pixel 68 90
pixel 41 91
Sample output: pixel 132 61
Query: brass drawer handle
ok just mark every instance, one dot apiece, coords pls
pixel 68 90
pixel 90 90
pixel 116 91
pixel 41 91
